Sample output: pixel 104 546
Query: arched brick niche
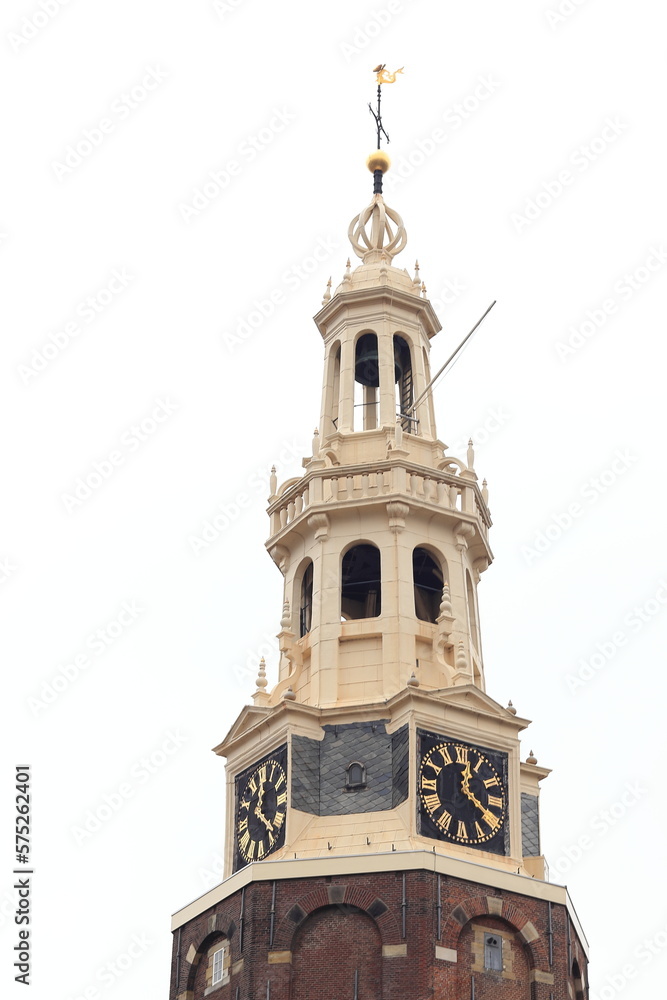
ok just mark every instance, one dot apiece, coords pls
pixel 202 977
pixel 494 906
pixel 481 942
pixel 332 946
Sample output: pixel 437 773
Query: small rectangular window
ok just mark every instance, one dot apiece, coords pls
pixel 218 963
pixel 493 952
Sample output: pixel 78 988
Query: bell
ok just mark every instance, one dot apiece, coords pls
pixel 367 365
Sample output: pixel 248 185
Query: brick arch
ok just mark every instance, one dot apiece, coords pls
pixel 202 946
pixel 315 971
pixel 336 895
pixel 478 906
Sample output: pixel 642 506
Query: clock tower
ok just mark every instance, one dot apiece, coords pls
pixel 382 827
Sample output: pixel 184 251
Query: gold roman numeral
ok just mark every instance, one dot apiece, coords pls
pixel 478 830
pixel 429 783
pixel 461 755
pixel 445 821
pixel 244 841
pixel 243 824
pixel 495 801
pixel 282 799
pixel 492 820
pixel 461 832
pixel 445 755
pixel 260 850
pixel 478 764
pixel 491 783
pixel 429 763
pixel 281 780
pixel 432 802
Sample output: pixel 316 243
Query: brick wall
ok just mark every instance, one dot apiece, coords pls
pixel 326 928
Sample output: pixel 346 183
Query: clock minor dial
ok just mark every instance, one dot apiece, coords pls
pixel 261 811
pixel 462 792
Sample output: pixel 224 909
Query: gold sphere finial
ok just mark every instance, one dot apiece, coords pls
pixel 378 160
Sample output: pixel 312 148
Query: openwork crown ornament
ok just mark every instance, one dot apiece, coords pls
pixel 372 235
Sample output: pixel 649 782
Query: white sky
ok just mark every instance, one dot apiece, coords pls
pixel 185 660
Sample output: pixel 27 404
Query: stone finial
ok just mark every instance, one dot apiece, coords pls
pixel 424 295
pixel 461 661
pixel 261 675
pixel 286 620
pixel 347 277
pixel 510 708
pixel 316 443
pixel 446 602
pixel 327 293
pixel 471 455
pixel 289 695
pixel 416 281
pixel 273 482
pixel 372 233
pixel 412 681
pixel 485 492
pixel 531 758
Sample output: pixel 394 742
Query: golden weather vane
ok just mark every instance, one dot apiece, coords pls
pixel 382 75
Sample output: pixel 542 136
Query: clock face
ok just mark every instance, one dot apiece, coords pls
pixel 463 795
pixel 261 807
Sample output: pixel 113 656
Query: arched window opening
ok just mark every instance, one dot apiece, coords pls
pixel 366 382
pixel 493 952
pixel 306 602
pixel 428 583
pixel 361 595
pixel 404 385
pixel 335 388
pixel 356 775
pixel 473 624
pixel 578 981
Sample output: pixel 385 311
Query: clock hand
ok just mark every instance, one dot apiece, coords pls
pixel 258 810
pixel 465 788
